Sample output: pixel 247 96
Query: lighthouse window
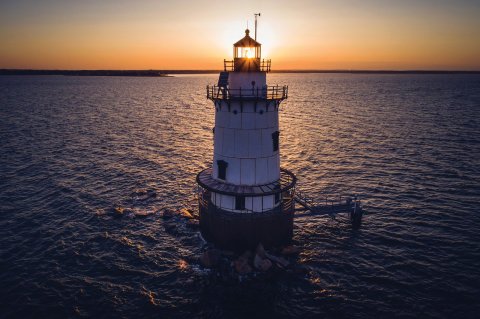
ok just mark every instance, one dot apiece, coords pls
pixel 240 202
pixel 275 136
pixel 222 169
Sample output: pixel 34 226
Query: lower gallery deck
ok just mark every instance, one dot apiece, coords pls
pixel 244 229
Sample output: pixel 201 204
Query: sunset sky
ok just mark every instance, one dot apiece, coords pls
pixel 295 34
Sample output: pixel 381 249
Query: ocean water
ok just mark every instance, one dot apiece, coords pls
pixel 73 148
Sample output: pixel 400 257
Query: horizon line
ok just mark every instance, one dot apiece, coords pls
pixel 163 72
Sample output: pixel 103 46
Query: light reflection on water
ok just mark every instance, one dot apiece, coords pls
pixel 73 148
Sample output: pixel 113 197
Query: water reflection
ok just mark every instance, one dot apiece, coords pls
pixel 75 148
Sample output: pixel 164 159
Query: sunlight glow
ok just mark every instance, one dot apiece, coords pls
pixel 245 52
pixel 320 34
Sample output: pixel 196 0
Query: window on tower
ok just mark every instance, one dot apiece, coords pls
pixel 275 136
pixel 239 202
pixel 222 169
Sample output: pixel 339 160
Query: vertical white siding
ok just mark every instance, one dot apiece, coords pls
pixel 244 140
pixel 267 143
pixel 241 143
pixel 254 145
pixel 248 120
pixel 261 120
pixel 273 171
pixel 235 119
pixel 261 171
pixel 218 139
pixel 247 172
pixel 228 142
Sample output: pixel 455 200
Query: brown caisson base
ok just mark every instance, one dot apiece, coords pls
pixel 241 231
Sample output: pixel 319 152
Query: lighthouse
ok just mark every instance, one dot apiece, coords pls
pixel 245 197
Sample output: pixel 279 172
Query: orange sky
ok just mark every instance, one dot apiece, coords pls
pixel 148 34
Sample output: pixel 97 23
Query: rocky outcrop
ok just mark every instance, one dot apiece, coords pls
pixel 210 258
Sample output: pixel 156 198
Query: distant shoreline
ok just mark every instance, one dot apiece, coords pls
pixel 167 73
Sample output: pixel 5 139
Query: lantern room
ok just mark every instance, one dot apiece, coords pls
pixel 246 54
pixel 247 47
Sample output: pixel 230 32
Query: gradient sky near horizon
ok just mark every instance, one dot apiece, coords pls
pixel 295 34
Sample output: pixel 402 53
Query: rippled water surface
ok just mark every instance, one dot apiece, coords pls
pixel 73 148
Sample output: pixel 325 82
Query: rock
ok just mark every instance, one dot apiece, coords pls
pixel 139 192
pixel 128 212
pixel 151 193
pixel 210 258
pixel 122 211
pixel 280 261
pixel 260 251
pixel 186 213
pixel 144 194
pixel 100 212
pixel 257 260
pixel 291 250
pixel 241 266
pixel 118 210
pixel 170 227
pixel 265 265
pixel 167 213
pixel 193 223
pixel 142 213
pixel 261 263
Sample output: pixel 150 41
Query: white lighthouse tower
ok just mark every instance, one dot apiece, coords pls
pixel 245 197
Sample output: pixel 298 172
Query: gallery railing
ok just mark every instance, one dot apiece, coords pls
pixel 263 65
pixel 276 92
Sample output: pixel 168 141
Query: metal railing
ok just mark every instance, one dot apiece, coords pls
pixel 228 65
pixel 328 205
pixel 277 92
pixel 287 202
pixel 265 65
pixel 287 181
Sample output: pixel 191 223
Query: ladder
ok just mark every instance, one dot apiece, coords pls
pixel 223 79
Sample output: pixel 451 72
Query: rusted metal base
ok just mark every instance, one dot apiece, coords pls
pixel 242 231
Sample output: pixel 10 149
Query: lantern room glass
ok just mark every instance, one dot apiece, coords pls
pixel 247 52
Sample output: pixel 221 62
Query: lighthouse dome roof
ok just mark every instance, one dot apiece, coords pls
pixel 246 41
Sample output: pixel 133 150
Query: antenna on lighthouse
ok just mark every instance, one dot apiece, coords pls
pixel 256 15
